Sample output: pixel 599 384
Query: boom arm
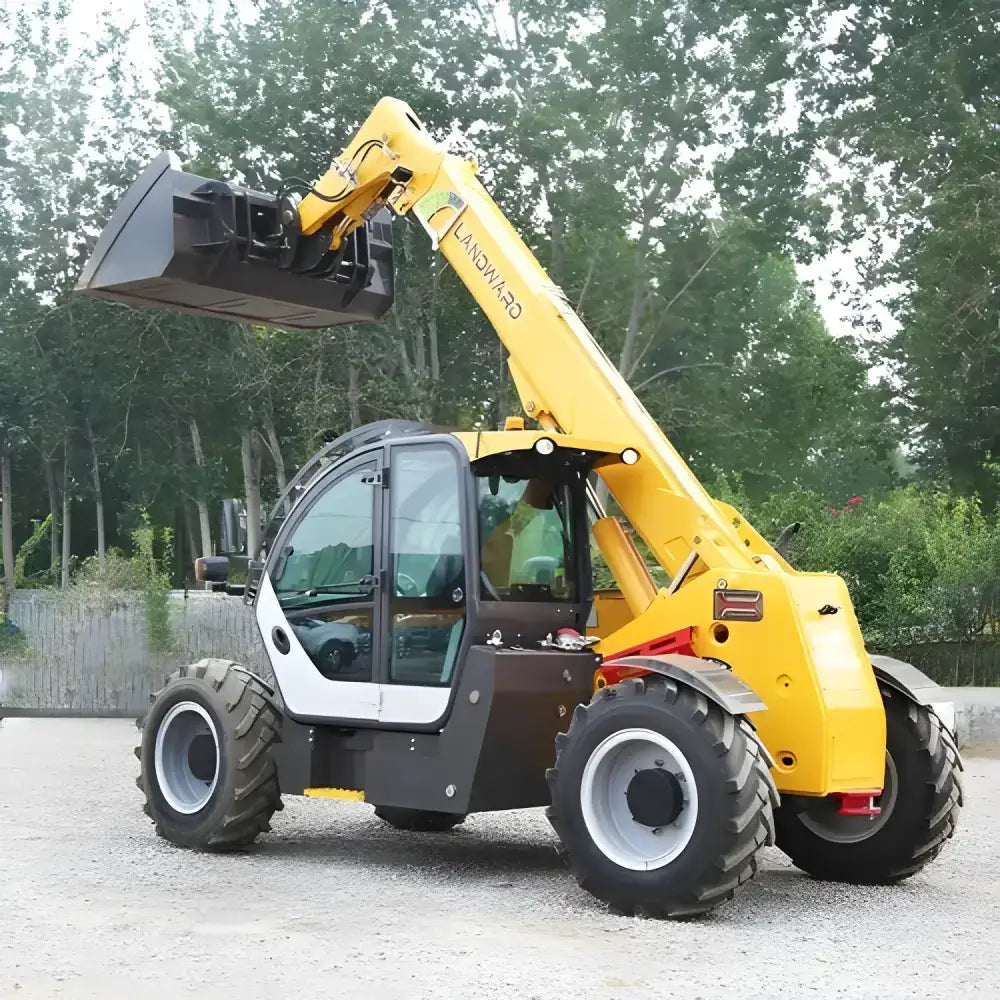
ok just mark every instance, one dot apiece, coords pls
pixel 564 379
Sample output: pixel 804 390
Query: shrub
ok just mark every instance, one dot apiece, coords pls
pixel 921 564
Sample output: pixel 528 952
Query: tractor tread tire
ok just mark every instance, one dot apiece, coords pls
pixel 250 723
pixel 748 791
pixel 418 820
pixel 905 850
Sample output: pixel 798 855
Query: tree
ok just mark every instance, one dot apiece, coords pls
pixel 907 98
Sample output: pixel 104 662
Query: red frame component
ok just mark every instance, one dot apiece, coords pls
pixel 859 804
pixel 678 642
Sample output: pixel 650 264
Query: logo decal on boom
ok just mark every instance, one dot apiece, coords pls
pixel 489 271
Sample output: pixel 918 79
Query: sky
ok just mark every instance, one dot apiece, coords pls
pixel 821 274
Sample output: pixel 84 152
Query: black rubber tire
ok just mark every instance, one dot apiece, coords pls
pixel 421 820
pixel 248 724
pixel 736 799
pixel 924 817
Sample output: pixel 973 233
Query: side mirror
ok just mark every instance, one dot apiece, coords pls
pixel 233 527
pixel 784 539
pixel 211 569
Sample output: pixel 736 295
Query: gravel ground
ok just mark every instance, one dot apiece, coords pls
pixel 333 903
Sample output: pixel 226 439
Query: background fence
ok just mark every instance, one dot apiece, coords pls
pixel 78 655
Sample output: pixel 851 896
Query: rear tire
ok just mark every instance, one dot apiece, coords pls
pixel 708 839
pixel 420 820
pixel 206 766
pixel 925 792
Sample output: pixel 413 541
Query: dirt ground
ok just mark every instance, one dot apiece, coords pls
pixel 333 903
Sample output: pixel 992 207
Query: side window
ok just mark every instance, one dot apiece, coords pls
pixel 321 580
pixel 428 567
pixel 330 550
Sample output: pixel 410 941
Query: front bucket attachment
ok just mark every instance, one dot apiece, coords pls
pixel 181 242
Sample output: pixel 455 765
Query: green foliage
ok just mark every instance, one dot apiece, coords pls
pixel 13 642
pixel 155 582
pixel 920 564
pixel 25 552
pixel 908 100
pixel 648 153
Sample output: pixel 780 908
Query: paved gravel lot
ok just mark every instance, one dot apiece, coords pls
pixel 334 904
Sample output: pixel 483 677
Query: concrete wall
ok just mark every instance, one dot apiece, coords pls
pixel 77 656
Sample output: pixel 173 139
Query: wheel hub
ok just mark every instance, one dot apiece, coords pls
pixel 654 797
pixel 186 757
pixel 639 799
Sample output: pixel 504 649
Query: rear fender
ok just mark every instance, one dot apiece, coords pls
pixel 918 687
pixel 905 678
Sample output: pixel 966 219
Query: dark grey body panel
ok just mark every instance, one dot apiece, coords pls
pixel 494 748
pixel 906 678
pixel 713 681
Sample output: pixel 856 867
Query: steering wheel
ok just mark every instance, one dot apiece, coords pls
pixel 406 586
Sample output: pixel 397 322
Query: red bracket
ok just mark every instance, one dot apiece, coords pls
pixel 675 642
pixel 859 804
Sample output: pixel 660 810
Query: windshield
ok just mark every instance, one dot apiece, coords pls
pixel 526 540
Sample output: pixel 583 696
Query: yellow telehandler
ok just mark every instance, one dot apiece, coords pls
pixel 425 598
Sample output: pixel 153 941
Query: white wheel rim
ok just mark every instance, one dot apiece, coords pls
pixel 606 813
pixel 187 768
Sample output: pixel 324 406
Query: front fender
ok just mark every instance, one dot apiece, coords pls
pixel 715 682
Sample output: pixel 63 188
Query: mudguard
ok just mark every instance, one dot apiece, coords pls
pixel 907 679
pixel 715 682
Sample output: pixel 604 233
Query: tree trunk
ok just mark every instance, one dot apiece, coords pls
pixel 353 395
pixel 66 500
pixel 98 495
pixel 274 446
pixel 314 427
pixel 53 488
pixel 200 500
pixel 558 235
pixel 192 545
pixel 8 519
pixel 432 320
pixel 251 483
pixel 640 285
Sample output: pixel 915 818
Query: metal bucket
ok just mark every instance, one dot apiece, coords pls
pixel 182 242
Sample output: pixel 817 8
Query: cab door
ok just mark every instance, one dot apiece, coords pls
pixel 318 605
pixel 424 604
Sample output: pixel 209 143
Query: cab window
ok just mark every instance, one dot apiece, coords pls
pixel 525 537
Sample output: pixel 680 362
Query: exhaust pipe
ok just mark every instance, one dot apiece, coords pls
pixel 186 243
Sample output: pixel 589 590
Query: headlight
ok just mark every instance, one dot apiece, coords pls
pixel 630 456
pixel 545 446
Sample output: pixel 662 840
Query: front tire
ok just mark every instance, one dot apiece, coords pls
pixel 661 798
pixel 206 766
pixel 920 803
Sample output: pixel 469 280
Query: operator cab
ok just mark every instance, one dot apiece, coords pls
pixel 412 547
